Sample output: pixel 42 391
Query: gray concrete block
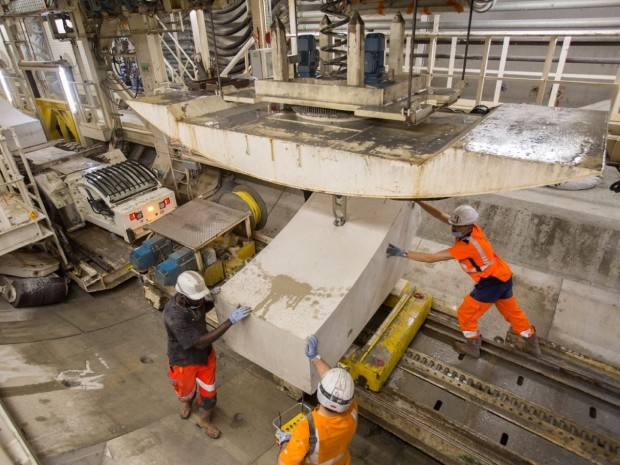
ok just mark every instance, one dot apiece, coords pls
pixel 316 278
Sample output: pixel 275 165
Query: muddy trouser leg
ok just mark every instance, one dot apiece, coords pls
pixel 511 311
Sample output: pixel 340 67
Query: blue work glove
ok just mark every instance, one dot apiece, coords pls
pixel 239 314
pixel 393 251
pixel 311 348
pixel 282 437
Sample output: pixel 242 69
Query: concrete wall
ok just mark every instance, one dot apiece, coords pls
pixel 569 241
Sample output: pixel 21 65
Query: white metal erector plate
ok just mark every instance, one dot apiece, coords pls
pixel 448 154
pixel 197 222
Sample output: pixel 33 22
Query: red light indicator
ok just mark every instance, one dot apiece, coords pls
pixel 167 201
pixel 132 216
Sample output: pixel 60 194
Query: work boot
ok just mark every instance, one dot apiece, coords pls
pixel 532 345
pixel 204 423
pixel 471 347
pixel 186 409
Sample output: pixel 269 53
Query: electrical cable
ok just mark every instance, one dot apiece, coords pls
pixel 238 14
pixel 471 14
pixel 233 48
pixel 230 8
pixel 230 29
pixel 277 200
pixel 95 206
pixel 337 62
pixel 482 6
pixel 411 56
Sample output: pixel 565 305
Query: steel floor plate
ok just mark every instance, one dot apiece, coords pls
pixel 197 222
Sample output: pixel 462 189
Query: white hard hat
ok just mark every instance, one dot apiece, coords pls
pixel 192 285
pixel 463 215
pixel 336 389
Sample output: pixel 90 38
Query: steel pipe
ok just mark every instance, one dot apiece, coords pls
pixel 495 24
pixel 526 5
pixel 526 59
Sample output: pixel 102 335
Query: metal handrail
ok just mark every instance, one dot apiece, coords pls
pixel 176 43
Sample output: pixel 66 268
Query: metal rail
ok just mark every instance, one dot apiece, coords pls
pixel 448 442
pixel 572 372
pixel 401 408
pixel 535 418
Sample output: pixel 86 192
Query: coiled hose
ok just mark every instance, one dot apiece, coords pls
pixel 338 62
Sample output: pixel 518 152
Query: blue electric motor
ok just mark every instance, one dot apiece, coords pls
pixel 150 253
pixel 169 270
pixel 308 56
pixel 374 58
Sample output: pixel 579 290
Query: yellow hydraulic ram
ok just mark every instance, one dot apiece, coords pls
pixel 372 364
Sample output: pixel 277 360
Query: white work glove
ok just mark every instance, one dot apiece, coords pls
pixel 312 348
pixel 239 314
pixel 282 437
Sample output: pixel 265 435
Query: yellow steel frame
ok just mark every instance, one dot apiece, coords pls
pixel 57 119
pixel 372 364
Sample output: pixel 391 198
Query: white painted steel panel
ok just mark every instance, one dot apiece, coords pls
pixel 449 154
pixel 28 129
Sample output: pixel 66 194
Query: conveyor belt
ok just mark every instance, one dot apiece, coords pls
pixel 506 407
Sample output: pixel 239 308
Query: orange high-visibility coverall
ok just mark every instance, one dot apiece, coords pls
pixel 494 285
pixel 334 434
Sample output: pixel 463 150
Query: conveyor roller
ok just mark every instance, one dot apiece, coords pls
pixel 33 292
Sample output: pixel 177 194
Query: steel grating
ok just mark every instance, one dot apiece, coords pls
pixel 198 222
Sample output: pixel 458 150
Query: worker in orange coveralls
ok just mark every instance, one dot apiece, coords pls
pixel 324 435
pixel 191 357
pixel 492 275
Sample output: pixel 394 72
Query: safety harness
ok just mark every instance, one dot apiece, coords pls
pixel 313 438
